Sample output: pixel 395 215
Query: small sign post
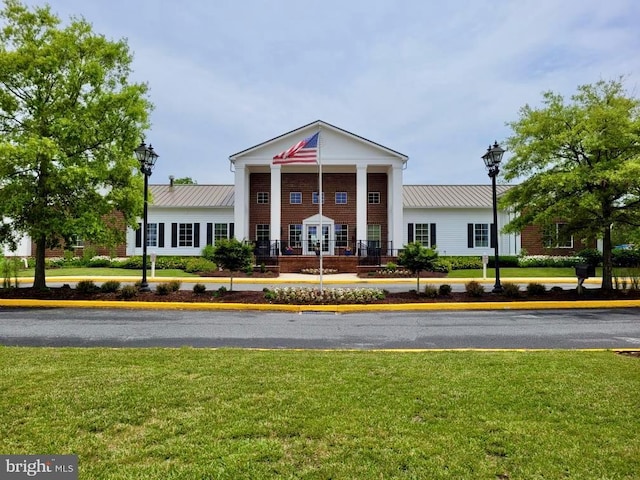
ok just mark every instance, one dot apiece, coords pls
pixel 153 264
pixel 485 261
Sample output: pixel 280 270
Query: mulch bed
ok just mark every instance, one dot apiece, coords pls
pixel 253 297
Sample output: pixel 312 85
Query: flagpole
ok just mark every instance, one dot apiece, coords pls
pixel 320 201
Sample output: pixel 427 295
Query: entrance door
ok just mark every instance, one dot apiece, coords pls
pixel 313 241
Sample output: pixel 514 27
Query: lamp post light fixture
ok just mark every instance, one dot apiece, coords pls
pixel 492 161
pixel 147 158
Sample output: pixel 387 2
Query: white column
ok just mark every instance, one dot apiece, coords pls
pixel 395 210
pixel 275 198
pixel 361 202
pixel 241 203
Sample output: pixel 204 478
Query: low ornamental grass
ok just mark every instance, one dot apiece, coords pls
pixel 196 413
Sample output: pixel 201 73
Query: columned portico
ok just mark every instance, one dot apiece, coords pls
pixel 361 202
pixel 241 202
pixel 275 201
pixel 362 186
pixel 395 207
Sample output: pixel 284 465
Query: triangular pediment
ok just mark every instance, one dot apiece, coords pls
pixel 337 146
pixel 316 219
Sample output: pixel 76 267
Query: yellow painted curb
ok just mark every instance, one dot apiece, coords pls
pixel 539 305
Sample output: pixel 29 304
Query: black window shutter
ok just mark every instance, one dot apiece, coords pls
pixel 174 235
pixel 161 235
pixel 410 233
pixel 139 236
pixel 432 235
pixel 470 235
pixel 209 233
pixel 493 235
pixel 231 230
pixel 196 234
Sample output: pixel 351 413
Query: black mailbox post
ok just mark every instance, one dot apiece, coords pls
pixel 584 271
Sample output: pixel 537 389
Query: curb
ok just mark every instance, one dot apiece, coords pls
pixel 539 305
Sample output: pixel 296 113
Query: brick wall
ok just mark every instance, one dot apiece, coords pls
pixel 532 242
pixel 119 250
pixel 307 183
pixel 377 214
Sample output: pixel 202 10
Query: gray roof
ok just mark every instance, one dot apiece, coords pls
pixel 191 195
pixel 450 196
pixel 414 196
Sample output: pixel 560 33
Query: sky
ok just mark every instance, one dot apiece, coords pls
pixel 435 80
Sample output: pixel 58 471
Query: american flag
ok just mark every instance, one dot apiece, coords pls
pixel 305 151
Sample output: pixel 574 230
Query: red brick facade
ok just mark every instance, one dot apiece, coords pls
pixel 531 241
pixel 119 250
pixel 306 184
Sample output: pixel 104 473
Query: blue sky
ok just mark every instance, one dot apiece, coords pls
pixel 434 80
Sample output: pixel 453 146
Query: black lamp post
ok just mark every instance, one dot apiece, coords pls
pixel 147 158
pixel 492 161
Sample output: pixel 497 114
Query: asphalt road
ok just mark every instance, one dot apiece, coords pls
pixel 554 329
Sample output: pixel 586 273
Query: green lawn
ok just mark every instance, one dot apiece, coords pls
pixel 520 272
pixel 113 272
pixel 229 414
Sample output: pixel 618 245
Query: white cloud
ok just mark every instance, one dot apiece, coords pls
pixel 434 80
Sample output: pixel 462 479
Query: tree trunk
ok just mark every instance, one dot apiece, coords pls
pixel 607 263
pixel 231 280
pixel 418 279
pixel 39 280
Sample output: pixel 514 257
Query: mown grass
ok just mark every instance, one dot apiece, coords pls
pixel 229 414
pixel 104 271
pixel 520 272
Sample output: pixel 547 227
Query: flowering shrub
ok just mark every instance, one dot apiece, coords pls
pixel 396 272
pixel 330 296
pixel 316 271
pixel 548 261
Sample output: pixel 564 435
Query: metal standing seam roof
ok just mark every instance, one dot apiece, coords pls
pixel 414 196
pixel 192 195
pixel 450 196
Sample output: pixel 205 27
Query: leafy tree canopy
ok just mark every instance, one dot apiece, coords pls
pixel 415 257
pixel 70 121
pixel 233 255
pixel 580 163
pixel 184 181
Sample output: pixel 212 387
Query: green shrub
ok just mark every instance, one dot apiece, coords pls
pixel 133 263
pixel 463 262
pixel 442 265
pixel 174 285
pixel 444 290
pixel 430 291
pixel 391 267
pixel 128 291
pixel 110 286
pixel 625 257
pixel 556 288
pixel 99 261
pixel 511 290
pixel 163 288
pixel 197 265
pixel 507 261
pixel 208 252
pixel 591 256
pixel 199 288
pixel 87 286
pixel 536 289
pixel 220 292
pixel 474 289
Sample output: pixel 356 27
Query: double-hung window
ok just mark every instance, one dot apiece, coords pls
pixel 295 236
pixel 185 234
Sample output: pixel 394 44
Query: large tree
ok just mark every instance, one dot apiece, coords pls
pixel 579 163
pixel 69 122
